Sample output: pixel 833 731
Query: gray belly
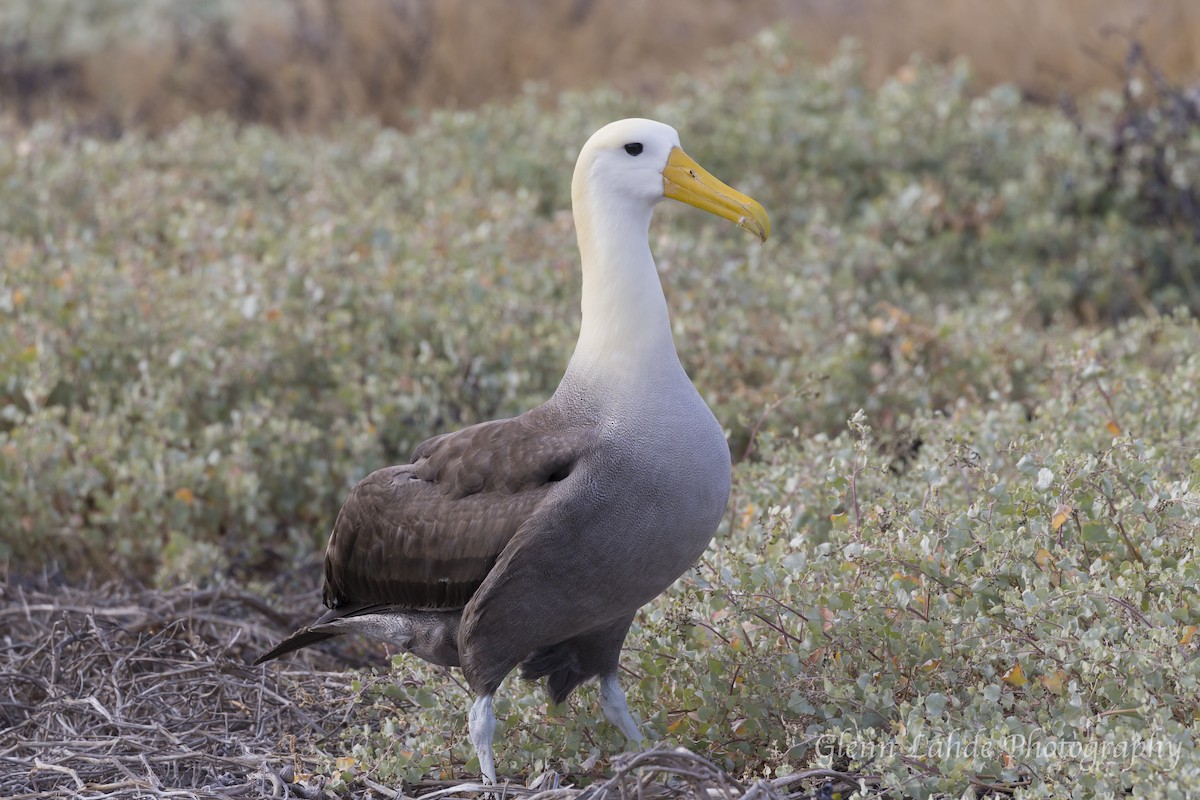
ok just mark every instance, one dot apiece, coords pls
pixel 666 489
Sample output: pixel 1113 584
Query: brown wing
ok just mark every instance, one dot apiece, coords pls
pixel 426 534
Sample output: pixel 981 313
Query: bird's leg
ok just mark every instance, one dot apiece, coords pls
pixel 616 710
pixel 481 723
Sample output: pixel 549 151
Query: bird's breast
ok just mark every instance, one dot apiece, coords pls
pixel 666 487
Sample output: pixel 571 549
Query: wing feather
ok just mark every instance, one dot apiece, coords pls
pixel 426 534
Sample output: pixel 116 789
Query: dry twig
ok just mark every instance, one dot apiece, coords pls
pixel 148 694
pixel 123 694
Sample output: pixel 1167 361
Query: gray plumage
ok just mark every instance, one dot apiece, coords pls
pixel 544 533
pixel 531 542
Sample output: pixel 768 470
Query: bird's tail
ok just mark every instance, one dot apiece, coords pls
pixel 429 635
pixel 301 638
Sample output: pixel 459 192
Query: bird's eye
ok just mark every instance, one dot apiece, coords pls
pixel 634 148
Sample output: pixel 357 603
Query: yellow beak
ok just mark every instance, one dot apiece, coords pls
pixel 688 182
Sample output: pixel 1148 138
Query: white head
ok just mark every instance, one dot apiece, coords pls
pixel 623 171
pixel 623 162
pixel 629 165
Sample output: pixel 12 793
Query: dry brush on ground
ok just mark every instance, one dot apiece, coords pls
pixel 114 692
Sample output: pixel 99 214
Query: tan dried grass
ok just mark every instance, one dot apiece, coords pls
pixel 309 63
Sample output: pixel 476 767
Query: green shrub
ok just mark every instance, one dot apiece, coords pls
pixel 1024 586
pixel 207 337
pixel 207 311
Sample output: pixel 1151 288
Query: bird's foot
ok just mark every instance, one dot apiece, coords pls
pixel 616 710
pixel 481 724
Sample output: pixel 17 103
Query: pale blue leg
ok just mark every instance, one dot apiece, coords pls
pixel 616 710
pixel 481 723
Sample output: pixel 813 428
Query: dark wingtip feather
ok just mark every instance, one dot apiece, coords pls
pixel 301 638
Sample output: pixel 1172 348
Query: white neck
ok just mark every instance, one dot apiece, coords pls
pixel 625 336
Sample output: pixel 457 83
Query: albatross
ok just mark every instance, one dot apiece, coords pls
pixel 531 542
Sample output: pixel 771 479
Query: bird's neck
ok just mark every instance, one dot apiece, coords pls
pixel 625 335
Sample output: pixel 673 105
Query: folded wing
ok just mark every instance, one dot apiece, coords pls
pixel 425 535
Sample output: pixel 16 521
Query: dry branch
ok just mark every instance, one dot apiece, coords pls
pixel 113 693
pixel 148 694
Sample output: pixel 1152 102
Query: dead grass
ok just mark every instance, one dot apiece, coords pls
pixel 1069 46
pixel 122 694
pixel 119 693
pixel 307 63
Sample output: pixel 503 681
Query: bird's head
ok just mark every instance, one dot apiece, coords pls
pixel 640 161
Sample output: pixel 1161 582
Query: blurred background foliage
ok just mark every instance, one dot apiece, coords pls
pixel 212 332
pixel 211 327
pixel 150 64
